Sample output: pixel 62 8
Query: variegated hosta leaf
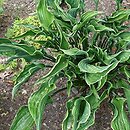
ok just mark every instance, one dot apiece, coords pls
pixel 74 7
pixel 70 76
pixel 27 52
pixel 23 77
pixel 64 44
pixel 101 83
pixel 85 67
pixel 45 16
pixel 59 12
pixel 127 71
pixel 77 70
pixel 119 16
pixel 38 101
pixel 85 18
pixel 4 40
pixel 88 15
pixel 95 73
pixel 68 120
pixel 94 90
pixel 23 120
pixel 110 87
pixel 69 86
pixel 126 86
pixel 61 64
pixel 97 27
pixel 118 3
pixel 123 56
pixel 124 35
pixel 20 48
pixel 94 104
pixel 120 120
pixel 74 52
pixel 80 113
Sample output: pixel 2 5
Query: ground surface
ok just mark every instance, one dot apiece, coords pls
pixel 54 113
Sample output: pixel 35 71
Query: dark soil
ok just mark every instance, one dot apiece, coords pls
pixel 54 113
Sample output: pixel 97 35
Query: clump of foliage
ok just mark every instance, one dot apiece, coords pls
pixel 20 26
pixel 11 65
pixel 93 53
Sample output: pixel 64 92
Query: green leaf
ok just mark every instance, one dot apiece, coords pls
pixel 110 87
pixel 60 65
pixel 78 112
pixel 70 76
pixel 74 7
pixel 23 120
pixel 127 71
pixel 4 40
pixel 85 115
pixel 94 104
pixel 124 35
pixel 118 3
pixel 38 101
pixel 65 16
pixel 23 77
pixel 92 78
pixel 69 86
pixel 45 16
pixel 74 52
pixel 64 44
pixel 97 27
pixel 85 67
pixel 86 17
pixel 15 47
pixel 101 83
pixel 119 16
pixel 75 113
pixel 27 52
pixel 75 67
pixel 68 120
pixel 94 90
pixel 81 112
pixel 120 120
pixel 123 56
pixel 123 84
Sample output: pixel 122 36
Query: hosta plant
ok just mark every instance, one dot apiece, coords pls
pixel 91 52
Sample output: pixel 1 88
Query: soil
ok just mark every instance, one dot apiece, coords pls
pixel 54 113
